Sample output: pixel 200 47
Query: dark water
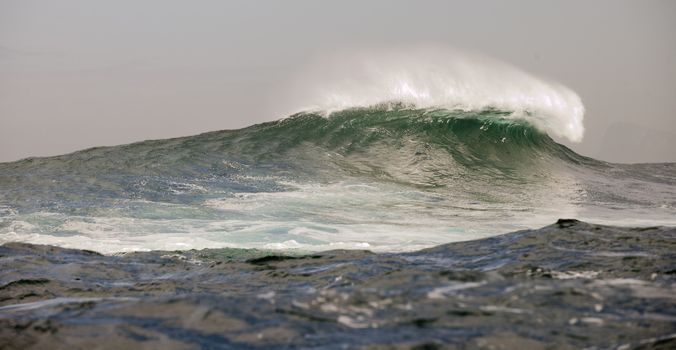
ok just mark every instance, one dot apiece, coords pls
pixel 569 285
pixel 384 179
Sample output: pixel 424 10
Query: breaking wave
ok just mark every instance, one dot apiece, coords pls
pixel 388 177
pixel 428 77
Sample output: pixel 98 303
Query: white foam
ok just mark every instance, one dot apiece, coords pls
pixel 430 77
pixel 307 217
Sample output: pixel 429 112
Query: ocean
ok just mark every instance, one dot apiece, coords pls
pixel 388 178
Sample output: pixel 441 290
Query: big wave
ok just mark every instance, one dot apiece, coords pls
pixel 410 151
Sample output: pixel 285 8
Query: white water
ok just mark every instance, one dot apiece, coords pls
pixel 311 217
pixel 430 77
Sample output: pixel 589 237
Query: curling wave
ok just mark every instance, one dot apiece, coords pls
pixel 429 77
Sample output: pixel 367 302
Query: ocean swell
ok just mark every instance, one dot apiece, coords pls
pixel 386 178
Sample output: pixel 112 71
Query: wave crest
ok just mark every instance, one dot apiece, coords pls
pixel 438 78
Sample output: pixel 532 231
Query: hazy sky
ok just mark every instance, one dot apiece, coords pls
pixel 76 74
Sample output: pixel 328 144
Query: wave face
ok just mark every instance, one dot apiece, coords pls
pixel 387 178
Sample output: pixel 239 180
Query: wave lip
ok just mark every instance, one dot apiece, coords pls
pixel 436 78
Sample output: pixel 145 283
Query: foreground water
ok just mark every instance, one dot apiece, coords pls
pixel 386 178
pixel 569 285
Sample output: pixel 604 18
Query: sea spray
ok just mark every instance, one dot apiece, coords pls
pixel 433 77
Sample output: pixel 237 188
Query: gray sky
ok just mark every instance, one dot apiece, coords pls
pixel 82 73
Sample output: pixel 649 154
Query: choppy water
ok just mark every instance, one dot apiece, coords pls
pixel 570 285
pixel 387 178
